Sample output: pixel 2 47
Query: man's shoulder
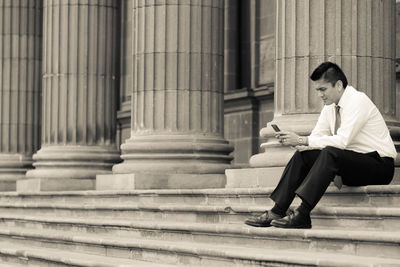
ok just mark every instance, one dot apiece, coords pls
pixel 358 97
pixel 357 93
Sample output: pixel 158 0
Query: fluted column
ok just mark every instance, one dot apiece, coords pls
pixel 177 101
pixel 20 65
pixel 126 73
pixel 230 44
pixel 357 35
pixel 79 100
pixel 126 51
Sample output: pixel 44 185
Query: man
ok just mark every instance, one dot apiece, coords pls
pixel 350 143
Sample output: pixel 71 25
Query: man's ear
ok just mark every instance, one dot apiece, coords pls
pixel 339 85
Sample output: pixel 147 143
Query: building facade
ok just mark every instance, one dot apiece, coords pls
pixel 91 87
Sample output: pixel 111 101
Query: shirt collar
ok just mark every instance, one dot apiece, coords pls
pixel 345 99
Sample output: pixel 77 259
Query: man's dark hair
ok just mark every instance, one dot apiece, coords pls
pixel 329 72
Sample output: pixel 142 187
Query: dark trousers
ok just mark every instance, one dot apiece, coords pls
pixel 309 173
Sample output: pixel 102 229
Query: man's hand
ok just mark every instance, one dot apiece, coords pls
pixel 288 138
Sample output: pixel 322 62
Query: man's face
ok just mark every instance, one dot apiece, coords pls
pixel 328 93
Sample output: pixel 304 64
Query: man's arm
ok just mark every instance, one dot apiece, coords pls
pixel 292 139
pixel 322 128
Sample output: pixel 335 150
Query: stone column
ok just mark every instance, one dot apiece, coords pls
pixel 358 35
pixel 79 100
pixel 177 101
pixel 126 73
pixel 126 65
pixel 230 45
pixel 20 65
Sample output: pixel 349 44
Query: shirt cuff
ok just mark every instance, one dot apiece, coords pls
pixel 313 141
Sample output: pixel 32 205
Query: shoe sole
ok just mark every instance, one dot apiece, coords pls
pixel 257 225
pixel 305 226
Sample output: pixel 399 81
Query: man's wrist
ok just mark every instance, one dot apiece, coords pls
pixel 302 140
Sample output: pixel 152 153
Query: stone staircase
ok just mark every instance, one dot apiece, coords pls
pixel 203 227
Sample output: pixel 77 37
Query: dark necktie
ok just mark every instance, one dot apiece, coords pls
pixel 337 181
pixel 338 120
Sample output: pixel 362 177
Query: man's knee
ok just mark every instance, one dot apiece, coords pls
pixel 297 156
pixel 331 150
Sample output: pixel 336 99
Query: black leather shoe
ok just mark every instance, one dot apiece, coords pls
pixel 263 220
pixel 293 220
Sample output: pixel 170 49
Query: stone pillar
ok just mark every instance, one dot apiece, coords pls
pixel 126 65
pixel 230 45
pixel 20 65
pixel 79 100
pixel 177 101
pixel 358 35
pixel 126 73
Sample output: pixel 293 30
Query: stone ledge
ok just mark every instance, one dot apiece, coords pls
pixel 253 177
pixel 267 177
pixel 159 181
pixel 8 185
pixel 371 189
pixel 49 184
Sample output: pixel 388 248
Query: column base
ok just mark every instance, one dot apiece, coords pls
pixel 8 182
pixel 13 168
pixel 134 181
pixel 396 176
pixel 49 184
pixel 253 177
pixel 175 154
pixel 276 155
pixel 71 167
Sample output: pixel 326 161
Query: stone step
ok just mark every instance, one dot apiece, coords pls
pixel 130 226
pixel 317 239
pixel 380 196
pixel 22 255
pixel 207 254
pixel 334 217
pixel 10 264
pixel 386 219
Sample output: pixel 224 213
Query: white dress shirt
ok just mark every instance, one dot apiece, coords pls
pixel 362 128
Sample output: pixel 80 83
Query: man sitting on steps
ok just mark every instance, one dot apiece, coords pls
pixel 349 145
